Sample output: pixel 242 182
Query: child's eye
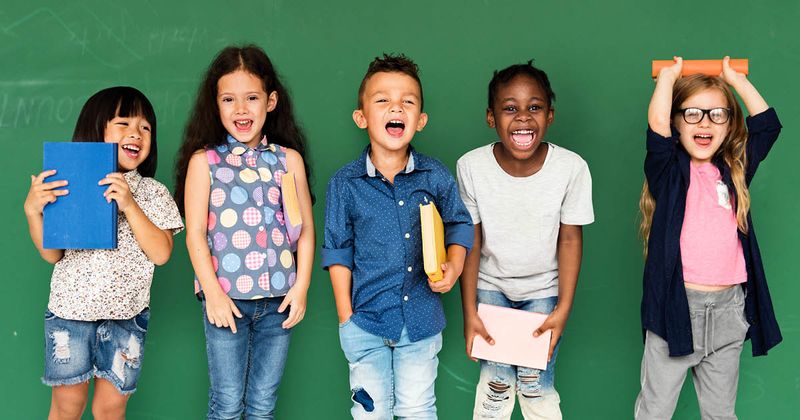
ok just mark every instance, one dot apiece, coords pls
pixel 409 101
pixel 227 99
pixel 124 123
pixel 534 108
pixel 510 108
pixel 252 98
pixel 381 100
pixel 146 127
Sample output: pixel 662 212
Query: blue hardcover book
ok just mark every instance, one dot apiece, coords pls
pixel 82 219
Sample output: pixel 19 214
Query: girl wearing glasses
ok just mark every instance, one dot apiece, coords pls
pixel 704 284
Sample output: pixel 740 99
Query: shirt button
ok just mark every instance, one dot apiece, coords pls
pixel 407 235
pixel 401 202
pixel 405 298
pixel 261 228
pixel 409 268
pixel 259 203
pixel 263 255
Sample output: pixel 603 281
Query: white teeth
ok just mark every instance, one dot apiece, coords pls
pixel 242 123
pixel 130 147
pixel 522 131
pixel 395 121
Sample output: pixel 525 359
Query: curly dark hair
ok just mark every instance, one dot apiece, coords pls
pixel 505 75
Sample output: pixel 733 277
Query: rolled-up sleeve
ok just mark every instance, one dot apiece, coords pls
pixel 338 243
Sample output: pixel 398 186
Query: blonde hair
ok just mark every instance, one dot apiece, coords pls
pixel 732 150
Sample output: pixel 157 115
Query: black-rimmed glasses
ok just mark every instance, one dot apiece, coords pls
pixel 695 115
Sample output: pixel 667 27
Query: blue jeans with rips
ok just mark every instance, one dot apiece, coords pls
pixel 390 378
pixel 245 368
pixel 500 384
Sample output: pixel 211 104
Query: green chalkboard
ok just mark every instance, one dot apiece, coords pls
pixel 55 54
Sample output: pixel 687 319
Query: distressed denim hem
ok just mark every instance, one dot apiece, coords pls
pixel 110 377
pixel 69 381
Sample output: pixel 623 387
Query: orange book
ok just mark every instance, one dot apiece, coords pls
pixel 708 67
pixel 434 253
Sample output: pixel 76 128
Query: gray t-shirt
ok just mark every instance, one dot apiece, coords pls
pixel 520 218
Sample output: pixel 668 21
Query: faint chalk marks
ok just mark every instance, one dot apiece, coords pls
pixel 81 41
pixel 464 385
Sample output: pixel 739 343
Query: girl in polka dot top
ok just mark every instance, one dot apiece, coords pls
pixel 251 276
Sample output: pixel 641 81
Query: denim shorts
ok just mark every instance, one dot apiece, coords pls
pixel 112 349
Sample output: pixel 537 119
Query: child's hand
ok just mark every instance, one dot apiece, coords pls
pixel 556 322
pixel 42 193
pixel 118 190
pixel 729 75
pixel 296 301
pixel 447 282
pixel 220 310
pixel 473 325
pixel 672 72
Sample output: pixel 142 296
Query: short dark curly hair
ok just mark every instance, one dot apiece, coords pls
pixel 391 63
pixel 505 75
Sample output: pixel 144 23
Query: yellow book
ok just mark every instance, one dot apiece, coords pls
pixel 434 253
pixel 291 209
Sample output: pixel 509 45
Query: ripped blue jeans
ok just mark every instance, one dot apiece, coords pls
pixel 112 349
pixel 390 378
pixel 500 384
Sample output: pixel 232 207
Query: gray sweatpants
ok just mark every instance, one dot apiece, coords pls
pixel 718 331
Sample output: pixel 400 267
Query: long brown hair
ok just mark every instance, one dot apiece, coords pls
pixel 205 129
pixel 732 150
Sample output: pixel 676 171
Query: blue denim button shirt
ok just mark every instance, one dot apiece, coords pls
pixel 665 310
pixel 372 227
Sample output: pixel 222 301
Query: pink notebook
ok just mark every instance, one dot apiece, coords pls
pixel 512 330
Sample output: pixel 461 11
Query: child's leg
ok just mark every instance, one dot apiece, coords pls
pixel 108 403
pixel 268 350
pixel 414 365
pixel 662 378
pixel 495 394
pixel 120 350
pixel 68 401
pixel 538 397
pixel 227 363
pixel 370 361
pixel 68 364
pixel 716 378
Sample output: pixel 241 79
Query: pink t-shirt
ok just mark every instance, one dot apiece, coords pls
pixel 711 252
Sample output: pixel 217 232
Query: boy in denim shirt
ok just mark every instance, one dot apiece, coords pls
pixel 390 316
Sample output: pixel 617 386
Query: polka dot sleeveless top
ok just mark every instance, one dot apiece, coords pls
pixel 246 232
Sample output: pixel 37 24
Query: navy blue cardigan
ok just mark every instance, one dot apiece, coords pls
pixel 665 310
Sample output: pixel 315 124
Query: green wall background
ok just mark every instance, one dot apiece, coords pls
pixel 54 55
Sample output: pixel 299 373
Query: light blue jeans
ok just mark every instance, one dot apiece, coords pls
pixel 499 383
pixel 245 368
pixel 390 378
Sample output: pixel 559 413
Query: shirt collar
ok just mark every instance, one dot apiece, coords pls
pixel 238 148
pixel 133 179
pixel 372 172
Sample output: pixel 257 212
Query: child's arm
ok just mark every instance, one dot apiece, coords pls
pixel 41 194
pixel 753 101
pixel 570 252
pixel 220 308
pixel 659 113
pixel 156 243
pixel 297 295
pixel 342 282
pixel 451 269
pixel 469 290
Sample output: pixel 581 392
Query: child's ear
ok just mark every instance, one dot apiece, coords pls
pixel 490 118
pixel 360 119
pixel 272 101
pixel 422 122
pixel 551 115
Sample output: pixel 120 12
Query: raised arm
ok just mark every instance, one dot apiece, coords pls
pixel 753 101
pixel 659 114
pixel 41 194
